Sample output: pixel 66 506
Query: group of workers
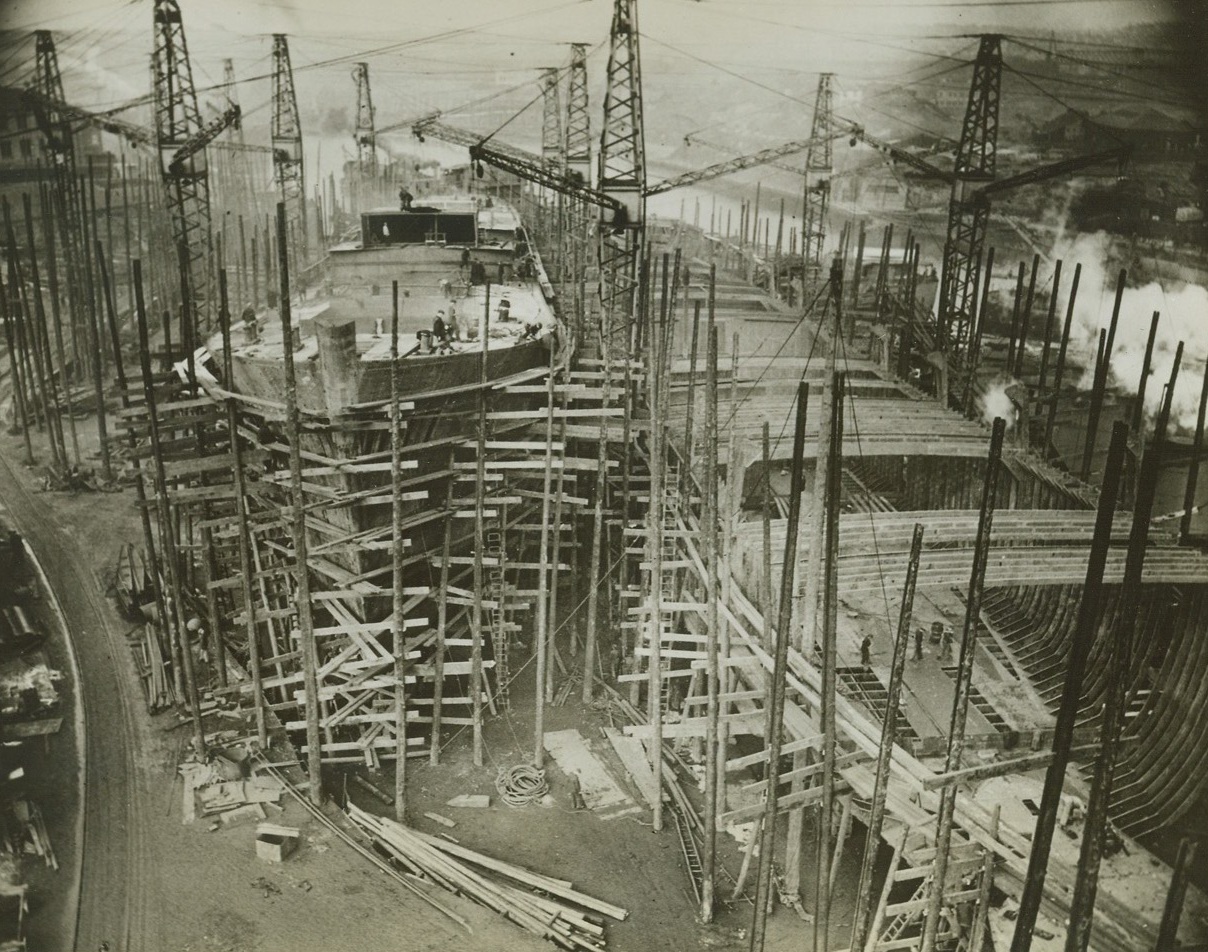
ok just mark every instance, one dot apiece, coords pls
pixel 942 634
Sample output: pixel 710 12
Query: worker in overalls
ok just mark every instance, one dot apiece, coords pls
pixel 946 640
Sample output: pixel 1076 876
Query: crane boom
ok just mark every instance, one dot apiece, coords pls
pixel 526 165
pixel 203 138
pixel 692 139
pixel 1054 170
pixel 762 157
pixel 43 105
pixel 894 152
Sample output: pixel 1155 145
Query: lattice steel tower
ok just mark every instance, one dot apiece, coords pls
pixel 60 156
pixel 553 151
pixel 177 123
pixel 366 137
pixel 287 146
pixel 578 123
pixel 819 165
pixel 968 216
pixel 240 180
pixel 622 176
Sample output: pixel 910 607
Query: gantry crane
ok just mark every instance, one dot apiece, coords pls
pixel 366 138
pixel 177 125
pixel 287 146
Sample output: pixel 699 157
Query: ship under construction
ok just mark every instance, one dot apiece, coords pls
pixel 871 567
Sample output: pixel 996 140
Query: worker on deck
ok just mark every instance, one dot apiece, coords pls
pixel 440 331
pixel 946 640
pixel 866 651
pixel 405 198
pixel 251 329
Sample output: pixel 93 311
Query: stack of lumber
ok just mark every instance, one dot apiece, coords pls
pixel 570 921
pixel 152 667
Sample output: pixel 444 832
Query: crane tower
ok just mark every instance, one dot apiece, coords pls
pixel 178 124
pixel 287 145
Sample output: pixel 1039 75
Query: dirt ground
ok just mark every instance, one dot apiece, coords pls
pixel 185 889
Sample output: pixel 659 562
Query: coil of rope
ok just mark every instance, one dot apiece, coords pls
pixel 521 785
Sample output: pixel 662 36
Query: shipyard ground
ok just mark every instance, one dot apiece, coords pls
pixel 149 882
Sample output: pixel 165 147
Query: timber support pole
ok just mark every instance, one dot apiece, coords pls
pixel 1169 928
pixel 876 820
pixel 1123 636
pixel 1193 467
pixel 960 704
pixel 306 628
pixel 830 610
pixel 1087 622
pixel 167 546
pixel 1102 374
pixel 709 528
pixel 779 676
pixel 247 575
pixel 398 600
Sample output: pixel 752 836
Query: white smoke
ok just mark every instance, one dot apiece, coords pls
pixel 1183 307
pixel 995 401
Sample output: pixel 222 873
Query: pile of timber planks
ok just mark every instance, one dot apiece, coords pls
pixel 152 665
pixel 571 921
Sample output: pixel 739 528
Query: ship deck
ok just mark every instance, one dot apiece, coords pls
pixel 418 307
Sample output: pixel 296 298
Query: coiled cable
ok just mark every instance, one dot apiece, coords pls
pixel 521 785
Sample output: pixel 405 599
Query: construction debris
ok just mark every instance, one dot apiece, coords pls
pixel 23 832
pixel 275 843
pixel 208 792
pixel 29 697
pixel 479 801
pixel 152 661
pixel 573 924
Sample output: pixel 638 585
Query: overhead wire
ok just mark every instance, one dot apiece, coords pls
pixel 369 53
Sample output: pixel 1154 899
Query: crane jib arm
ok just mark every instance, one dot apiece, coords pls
pixel 202 139
pixel 535 171
pixel 763 157
pixel 1046 172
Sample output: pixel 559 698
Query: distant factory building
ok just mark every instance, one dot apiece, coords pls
pixel 1156 132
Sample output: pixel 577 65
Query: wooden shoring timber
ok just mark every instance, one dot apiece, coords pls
pixel 169 410
pixel 180 496
pixel 181 448
pixel 186 421
pixel 357 468
pixel 612 364
pixel 199 465
pixel 500 384
pixel 785 803
pixel 808 772
pixel 574 391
